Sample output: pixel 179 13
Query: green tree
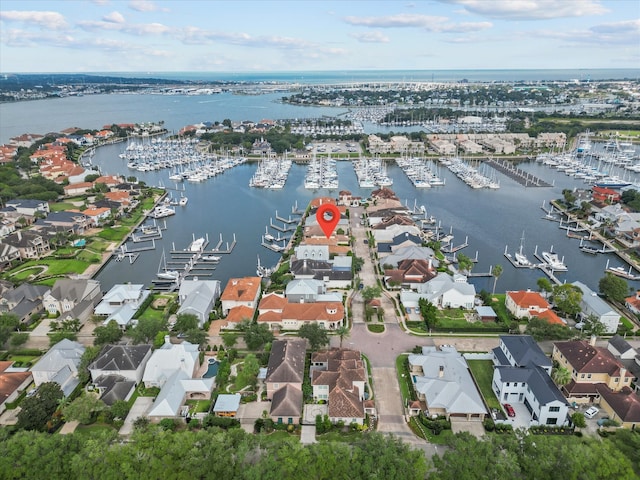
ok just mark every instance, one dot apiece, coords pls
pixel 186 322
pixel 342 332
pixel 569 197
pixel 17 339
pixel 229 339
pixel 316 335
pixel 496 272
pixel 119 409
pixel 561 376
pixel 545 285
pixel 38 409
pixel 369 293
pixel 87 357
pixel 578 419
pixel 8 324
pixel 429 313
pixel 248 371
pixel 257 335
pixel 83 408
pixel 106 334
pixel 567 298
pixel 593 326
pixel 465 264
pixel 147 329
pixel 197 337
pixel 540 329
pixel 613 287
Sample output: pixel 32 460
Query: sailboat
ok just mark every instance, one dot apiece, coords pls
pixel 521 258
pixel 262 271
pixel 165 274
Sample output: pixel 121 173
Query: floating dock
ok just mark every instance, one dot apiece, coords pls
pixel 523 178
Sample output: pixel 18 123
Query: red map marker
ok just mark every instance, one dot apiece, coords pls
pixel 328 217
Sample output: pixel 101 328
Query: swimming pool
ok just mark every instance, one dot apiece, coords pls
pixel 213 368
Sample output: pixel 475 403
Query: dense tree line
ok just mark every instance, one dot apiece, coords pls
pixel 155 453
pixel 13 185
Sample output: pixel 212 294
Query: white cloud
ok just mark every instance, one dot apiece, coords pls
pixel 138 29
pixel 114 17
pixel 397 21
pixel 426 22
pixel 626 33
pixel 145 6
pixel 45 20
pixel 370 37
pixel 531 9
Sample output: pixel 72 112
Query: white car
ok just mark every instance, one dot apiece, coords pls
pixel 591 412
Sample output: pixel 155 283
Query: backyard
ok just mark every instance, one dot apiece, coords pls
pixel 482 371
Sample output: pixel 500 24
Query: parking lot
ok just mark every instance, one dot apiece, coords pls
pixel 336 147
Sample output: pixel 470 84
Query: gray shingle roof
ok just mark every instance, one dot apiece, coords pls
pixel 286 362
pixel 120 357
pixel 525 350
pixel 537 380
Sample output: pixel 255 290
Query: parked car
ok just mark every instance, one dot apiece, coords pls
pixel 509 409
pixel 591 412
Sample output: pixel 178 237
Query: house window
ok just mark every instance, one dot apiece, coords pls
pixel 582 375
pixel 616 379
pixel 507 384
pixel 588 375
pixel 554 409
pixel 552 421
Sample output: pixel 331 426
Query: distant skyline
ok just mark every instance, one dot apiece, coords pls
pixel 304 35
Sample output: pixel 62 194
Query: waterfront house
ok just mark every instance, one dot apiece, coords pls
pixel 442 380
pixel 525 303
pixel 593 306
pixel 121 303
pixel 60 364
pixel 285 374
pixel 23 300
pixel 591 367
pixel 29 243
pixel 633 302
pixel 410 273
pixel 12 383
pixel 65 221
pixel 312 252
pixel 408 253
pixel 73 298
pixel 198 297
pixel 241 292
pixel 335 273
pixel 97 215
pixel 443 291
pixel 522 376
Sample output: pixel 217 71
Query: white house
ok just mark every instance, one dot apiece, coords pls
pixel 169 358
pixel 60 365
pixel 444 291
pixel 128 361
pixel 121 303
pixel 198 297
pixel 593 305
pixel 521 375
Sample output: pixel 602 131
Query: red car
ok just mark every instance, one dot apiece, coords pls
pixel 510 411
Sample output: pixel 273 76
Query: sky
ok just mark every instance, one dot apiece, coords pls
pixel 309 35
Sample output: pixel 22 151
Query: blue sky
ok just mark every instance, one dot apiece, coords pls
pixel 305 35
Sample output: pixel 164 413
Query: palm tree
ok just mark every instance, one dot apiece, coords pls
pixel 561 376
pixel 496 272
pixel 343 332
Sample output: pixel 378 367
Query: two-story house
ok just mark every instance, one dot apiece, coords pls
pixel 73 298
pixel 522 376
pixel 285 375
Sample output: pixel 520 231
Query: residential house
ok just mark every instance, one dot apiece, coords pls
pixel 128 361
pixel 590 367
pixel 622 406
pixel 97 215
pixel 285 375
pixel 241 291
pixel 334 274
pixel 172 368
pixel 328 315
pixel 595 307
pixel 198 297
pixel 77 188
pixel 7 225
pixel 112 388
pixel 399 241
pixel 633 302
pixel 522 375
pixel 443 291
pixel 338 376
pixel 303 290
pixel 312 252
pixel 408 253
pixel 28 207
pixel 29 243
pixel 65 221
pixel 8 253
pixel 12 383
pixel 410 273
pixel 170 357
pixel 121 303
pixel 620 348
pixel 528 304
pixel 237 315
pixel 442 380
pixel 60 364
pixel 23 300
pixel 73 298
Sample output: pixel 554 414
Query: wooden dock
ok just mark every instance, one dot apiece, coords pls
pixel 523 178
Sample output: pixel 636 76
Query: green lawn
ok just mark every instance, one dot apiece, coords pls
pixel 61 206
pixel 405 381
pixel 26 273
pixel 336 436
pixel 97 245
pixel 114 234
pixel 90 430
pixel 55 266
pixel 482 371
pixel 151 313
pixel 375 328
pixel 199 406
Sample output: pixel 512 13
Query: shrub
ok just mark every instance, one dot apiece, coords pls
pixel 489 424
pixel 222 422
pixel 168 424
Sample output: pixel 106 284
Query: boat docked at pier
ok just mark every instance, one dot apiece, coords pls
pixel 162 211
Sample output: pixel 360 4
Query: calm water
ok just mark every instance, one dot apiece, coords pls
pixel 226 205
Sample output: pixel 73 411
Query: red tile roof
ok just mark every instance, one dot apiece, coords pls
pixel 526 299
pixel 241 289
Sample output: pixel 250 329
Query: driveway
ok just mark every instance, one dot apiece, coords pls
pixel 139 409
